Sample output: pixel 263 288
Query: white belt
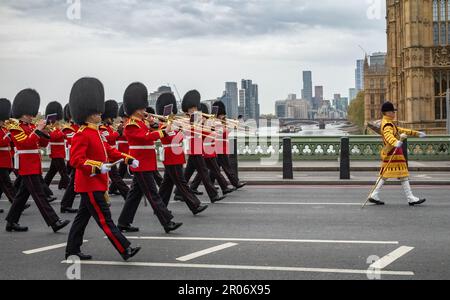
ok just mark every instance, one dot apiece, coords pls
pixel 114 147
pixel 19 152
pixel 209 144
pixel 142 147
pixel 172 145
pixel 122 142
pixel 5 149
pixel 57 144
pixel 222 140
pixel 68 152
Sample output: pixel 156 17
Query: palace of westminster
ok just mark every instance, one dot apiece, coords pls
pixel 416 75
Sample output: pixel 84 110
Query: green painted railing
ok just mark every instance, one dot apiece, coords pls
pixel 328 148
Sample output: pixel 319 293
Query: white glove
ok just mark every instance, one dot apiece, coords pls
pixel 422 135
pixel 105 168
pixel 135 164
pixel 399 144
pixel 403 137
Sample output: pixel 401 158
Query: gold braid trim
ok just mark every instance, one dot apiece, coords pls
pixel 96 165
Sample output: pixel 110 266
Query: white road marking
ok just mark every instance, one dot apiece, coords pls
pixel 48 248
pixel 206 251
pixel 292 203
pixel 391 257
pixel 261 240
pixel 240 267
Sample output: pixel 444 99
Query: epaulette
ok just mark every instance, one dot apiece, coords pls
pixel 132 122
pixel 13 126
pixel 82 128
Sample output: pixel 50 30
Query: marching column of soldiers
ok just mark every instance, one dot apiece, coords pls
pixel 94 145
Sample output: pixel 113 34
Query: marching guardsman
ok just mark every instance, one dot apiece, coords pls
pixel 57 147
pixel 28 139
pixel 91 156
pixel 123 147
pixel 111 136
pixel 142 147
pixel 69 129
pixel 210 155
pixel 6 166
pixel 394 164
pixel 154 126
pixel 174 159
pixel 194 138
pixel 223 147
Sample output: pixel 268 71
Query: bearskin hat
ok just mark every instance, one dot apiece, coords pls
pixel 222 108
pixel 135 97
pixel 122 113
pixel 67 115
pixel 87 98
pixel 150 110
pixel 163 101
pixel 55 108
pixel 204 108
pixel 26 102
pixel 111 110
pixel 190 100
pixel 5 109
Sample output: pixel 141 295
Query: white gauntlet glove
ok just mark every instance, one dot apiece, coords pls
pixel 105 168
pixel 135 164
pixel 422 135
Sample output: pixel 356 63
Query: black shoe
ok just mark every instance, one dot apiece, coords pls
pixel 130 252
pixel 60 225
pixel 227 191
pixel 128 228
pixel 10 227
pixel 68 210
pixel 217 199
pixel 178 198
pixel 1 211
pixel 80 255
pixel 51 199
pixel 196 192
pixel 172 226
pixel 200 209
pixel 241 185
pixel 27 206
pixel 421 201
pixel 376 202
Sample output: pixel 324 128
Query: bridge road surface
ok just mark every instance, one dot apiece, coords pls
pixel 266 232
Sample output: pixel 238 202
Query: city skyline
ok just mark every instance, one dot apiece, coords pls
pixel 266 41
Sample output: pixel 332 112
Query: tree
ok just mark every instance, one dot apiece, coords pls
pixel 356 111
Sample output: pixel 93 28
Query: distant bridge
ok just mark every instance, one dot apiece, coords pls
pixel 296 122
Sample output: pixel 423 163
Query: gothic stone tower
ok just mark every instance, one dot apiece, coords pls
pixel 418 62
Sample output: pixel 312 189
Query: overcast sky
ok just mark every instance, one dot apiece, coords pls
pixel 197 44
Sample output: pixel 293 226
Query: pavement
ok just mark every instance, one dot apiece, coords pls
pixel 261 232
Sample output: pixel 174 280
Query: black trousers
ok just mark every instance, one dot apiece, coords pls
pixel 197 163
pixel 69 194
pixel 158 178
pixel 118 182
pixel 214 171
pixel 122 170
pixel 144 185
pixel 32 185
pixel 18 182
pixel 6 185
pixel 58 165
pixel 94 204
pixel 224 162
pixel 174 176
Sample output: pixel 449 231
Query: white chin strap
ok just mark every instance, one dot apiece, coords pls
pixel 408 192
pixel 376 193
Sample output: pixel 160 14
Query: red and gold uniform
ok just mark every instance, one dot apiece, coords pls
pixel 57 147
pixel 6 165
pixel 69 130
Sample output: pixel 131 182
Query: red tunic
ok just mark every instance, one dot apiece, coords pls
pixel 209 145
pixel 195 141
pixel 28 145
pixel 111 136
pixel 69 130
pixel 223 143
pixel 5 150
pixel 122 144
pixel 57 144
pixel 142 144
pixel 173 149
pixel 88 152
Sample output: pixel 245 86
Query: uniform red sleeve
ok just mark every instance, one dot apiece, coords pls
pixel 57 134
pixel 115 155
pixel 78 157
pixel 5 141
pixel 26 141
pixel 141 135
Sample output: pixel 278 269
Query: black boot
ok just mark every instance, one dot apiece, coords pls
pixel 10 227
pixel 178 198
pixel 421 201
pixel 80 255
pixel 241 185
pixel 196 192
pixel 130 252
pixel 172 226
pixel 200 209
pixel 227 191
pixel 1 211
pixel 128 228
pixel 376 202
pixel 60 225
pixel 217 199
pixel 68 210
pixel 51 199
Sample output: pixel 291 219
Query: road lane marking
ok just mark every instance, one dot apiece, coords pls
pixel 390 258
pixel 239 267
pixel 293 203
pixel 261 240
pixel 205 252
pixel 48 248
